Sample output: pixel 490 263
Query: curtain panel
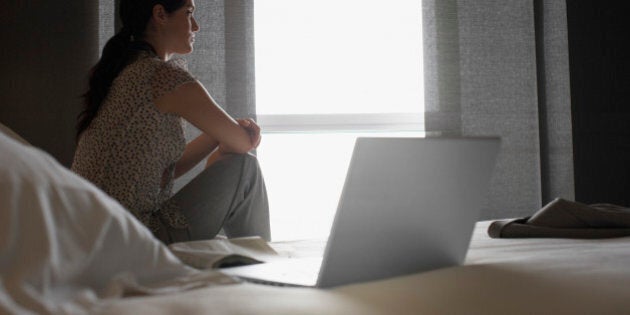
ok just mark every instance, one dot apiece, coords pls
pixel 500 68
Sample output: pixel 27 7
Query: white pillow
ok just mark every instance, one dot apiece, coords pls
pixel 63 240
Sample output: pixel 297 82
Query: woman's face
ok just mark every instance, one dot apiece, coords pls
pixel 181 29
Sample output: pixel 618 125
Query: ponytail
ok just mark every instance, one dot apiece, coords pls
pixel 116 55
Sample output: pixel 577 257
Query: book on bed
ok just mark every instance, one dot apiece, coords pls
pixel 223 252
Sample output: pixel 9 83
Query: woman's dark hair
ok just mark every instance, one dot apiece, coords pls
pixel 119 51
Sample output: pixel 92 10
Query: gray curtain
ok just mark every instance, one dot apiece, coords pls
pixel 107 21
pixel 554 100
pixel 47 50
pixel 500 68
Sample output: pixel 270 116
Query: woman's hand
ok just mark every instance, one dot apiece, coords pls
pixel 252 129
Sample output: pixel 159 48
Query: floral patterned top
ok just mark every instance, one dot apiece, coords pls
pixel 130 148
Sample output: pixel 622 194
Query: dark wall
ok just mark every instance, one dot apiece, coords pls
pixel 599 49
pixel 47 48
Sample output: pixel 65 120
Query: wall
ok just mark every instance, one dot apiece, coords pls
pixel 600 81
pixel 47 50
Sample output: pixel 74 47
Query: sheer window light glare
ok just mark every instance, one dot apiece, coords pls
pixel 338 56
pixel 328 71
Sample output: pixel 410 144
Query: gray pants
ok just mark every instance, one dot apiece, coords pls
pixel 230 194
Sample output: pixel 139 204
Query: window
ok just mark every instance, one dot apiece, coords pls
pixel 326 72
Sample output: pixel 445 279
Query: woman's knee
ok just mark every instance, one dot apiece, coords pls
pixel 247 160
pixel 250 158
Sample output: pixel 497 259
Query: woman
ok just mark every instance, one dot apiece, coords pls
pixel 131 142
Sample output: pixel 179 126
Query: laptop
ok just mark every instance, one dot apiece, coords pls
pixel 408 205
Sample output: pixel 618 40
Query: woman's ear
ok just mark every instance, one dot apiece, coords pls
pixel 159 14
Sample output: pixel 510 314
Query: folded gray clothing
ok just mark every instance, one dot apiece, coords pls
pixel 567 219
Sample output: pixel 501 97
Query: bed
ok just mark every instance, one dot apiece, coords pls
pixel 524 276
pixel 67 248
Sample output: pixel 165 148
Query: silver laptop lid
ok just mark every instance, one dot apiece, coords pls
pixel 408 205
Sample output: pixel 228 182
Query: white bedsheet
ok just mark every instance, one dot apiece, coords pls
pixel 517 276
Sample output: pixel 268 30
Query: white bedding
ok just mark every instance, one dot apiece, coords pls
pixel 65 247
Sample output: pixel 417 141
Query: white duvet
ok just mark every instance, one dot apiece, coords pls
pixel 65 246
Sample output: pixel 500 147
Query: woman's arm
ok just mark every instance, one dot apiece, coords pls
pixel 192 102
pixel 195 151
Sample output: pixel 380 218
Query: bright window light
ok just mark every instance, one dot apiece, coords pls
pixel 327 71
